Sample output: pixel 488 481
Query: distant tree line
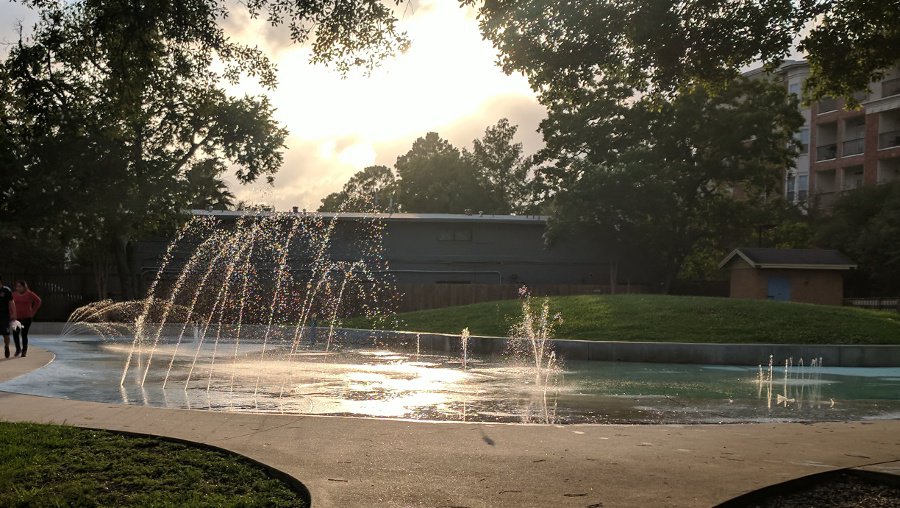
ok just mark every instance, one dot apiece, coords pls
pixel 434 176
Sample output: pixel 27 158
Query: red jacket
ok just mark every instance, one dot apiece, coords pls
pixel 27 304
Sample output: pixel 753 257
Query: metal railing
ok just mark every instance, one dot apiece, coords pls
pixel 826 199
pixel 827 105
pixel 826 152
pixel 854 146
pixel 874 303
pixel 889 139
pixel 890 87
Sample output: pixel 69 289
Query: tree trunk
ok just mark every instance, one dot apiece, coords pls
pixel 667 283
pixel 613 275
pixel 101 275
pixel 671 273
pixel 125 276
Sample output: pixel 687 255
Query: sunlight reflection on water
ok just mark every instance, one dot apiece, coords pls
pixel 397 384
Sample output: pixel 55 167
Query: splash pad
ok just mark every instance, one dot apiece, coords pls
pixel 246 317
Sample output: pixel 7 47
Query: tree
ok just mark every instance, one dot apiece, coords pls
pixel 502 166
pixel 369 190
pixel 772 223
pixel 865 225
pixel 852 44
pixel 659 46
pixel 205 190
pixel 433 177
pixel 115 108
pixel 667 183
pixel 650 126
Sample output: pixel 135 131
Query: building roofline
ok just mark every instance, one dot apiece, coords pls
pixel 785 65
pixel 389 217
pixel 793 266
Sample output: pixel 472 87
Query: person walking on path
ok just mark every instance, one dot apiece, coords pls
pixel 27 305
pixel 7 315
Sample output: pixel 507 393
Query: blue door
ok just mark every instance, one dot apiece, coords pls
pixel 779 289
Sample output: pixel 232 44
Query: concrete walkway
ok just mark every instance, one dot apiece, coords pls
pixel 15 367
pixel 347 462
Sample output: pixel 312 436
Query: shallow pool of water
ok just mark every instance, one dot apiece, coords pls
pixel 400 384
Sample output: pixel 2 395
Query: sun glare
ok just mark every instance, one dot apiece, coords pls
pixel 448 73
pixel 447 77
pixel 359 155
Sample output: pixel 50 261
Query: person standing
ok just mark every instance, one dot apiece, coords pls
pixel 27 305
pixel 7 314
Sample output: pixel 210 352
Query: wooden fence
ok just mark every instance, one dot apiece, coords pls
pixel 62 292
pixel 435 296
pixel 874 303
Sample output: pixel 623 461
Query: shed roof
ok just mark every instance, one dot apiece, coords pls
pixel 802 259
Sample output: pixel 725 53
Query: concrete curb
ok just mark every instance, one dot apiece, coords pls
pixel 833 355
pixel 770 494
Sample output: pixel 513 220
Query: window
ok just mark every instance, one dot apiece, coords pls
pixel 455 235
pixel 462 235
pixel 794 88
pixel 803 137
pixel 789 188
pixel 802 187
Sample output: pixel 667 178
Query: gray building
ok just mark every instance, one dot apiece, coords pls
pixel 446 248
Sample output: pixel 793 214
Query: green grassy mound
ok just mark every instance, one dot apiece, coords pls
pixel 661 318
pixel 51 465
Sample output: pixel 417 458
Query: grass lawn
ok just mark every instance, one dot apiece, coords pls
pixel 664 318
pixel 52 465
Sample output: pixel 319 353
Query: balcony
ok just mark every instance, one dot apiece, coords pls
pixel 828 105
pixel 826 152
pixel 888 170
pixel 854 147
pixel 853 178
pixel 889 139
pixel 890 87
pixel 827 199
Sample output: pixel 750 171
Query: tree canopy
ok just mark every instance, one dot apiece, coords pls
pixel 865 225
pixel 655 143
pixel 369 190
pixel 434 177
pixel 685 171
pixel 658 46
pixel 116 115
pixel 502 167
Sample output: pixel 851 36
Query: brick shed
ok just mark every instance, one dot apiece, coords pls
pixel 796 275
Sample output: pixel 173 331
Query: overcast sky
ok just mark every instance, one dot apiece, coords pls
pixel 447 82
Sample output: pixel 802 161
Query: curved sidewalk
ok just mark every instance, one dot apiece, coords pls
pixel 347 462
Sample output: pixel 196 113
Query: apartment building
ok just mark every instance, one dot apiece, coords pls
pixel 856 147
pixel 843 149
